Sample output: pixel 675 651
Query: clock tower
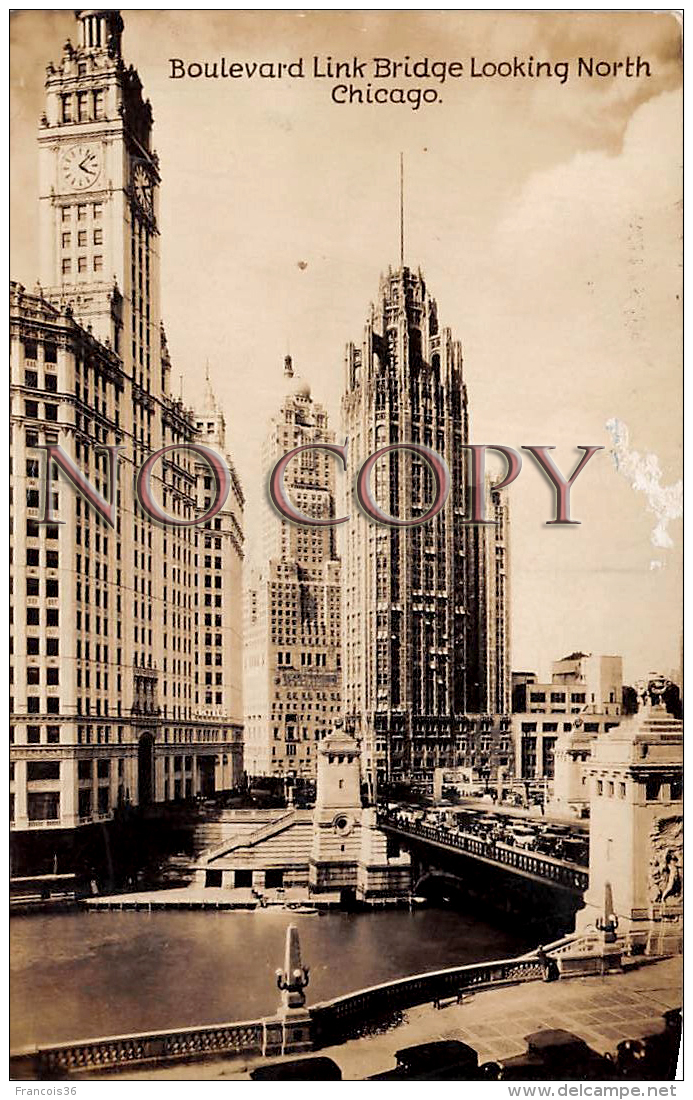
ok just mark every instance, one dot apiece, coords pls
pixel 99 180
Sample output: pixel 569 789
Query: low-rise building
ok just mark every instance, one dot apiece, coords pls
pixel 582 700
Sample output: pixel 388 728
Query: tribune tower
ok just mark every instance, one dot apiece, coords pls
pixel 426 631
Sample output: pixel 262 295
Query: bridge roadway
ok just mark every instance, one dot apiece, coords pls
pixel 535 866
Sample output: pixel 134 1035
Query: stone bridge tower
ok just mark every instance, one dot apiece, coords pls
pixel 636 831
pixel 337 816
pixel 349 853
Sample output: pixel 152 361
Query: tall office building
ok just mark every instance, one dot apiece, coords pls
pixel 113 699
pixel 292 658
pixel 424 684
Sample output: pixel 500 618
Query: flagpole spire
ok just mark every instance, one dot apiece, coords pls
pixel 401 209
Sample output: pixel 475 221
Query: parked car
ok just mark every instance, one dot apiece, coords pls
pixel 523 837
pixel 298 1069
pixel 445 1060
pixel 554 1055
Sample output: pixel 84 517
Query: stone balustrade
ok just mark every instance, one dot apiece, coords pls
pixel 357 1013
pixel 121 1051
pixel 370 1009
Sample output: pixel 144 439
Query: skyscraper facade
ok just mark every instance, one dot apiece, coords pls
pixel 116 630
pixel 292 661
pixel 423 685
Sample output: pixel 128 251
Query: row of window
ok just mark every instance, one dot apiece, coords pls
pixel 50 351
pixel 31 411
pixel 83 106
pixel 82 264
pixel 653 789
pixel 83 211
pixel 50 383
pixel 82 238
pixel 33 616
pixel 34 735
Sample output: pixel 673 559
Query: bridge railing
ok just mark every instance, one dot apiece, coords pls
pixel 372 1009
pixel 563 873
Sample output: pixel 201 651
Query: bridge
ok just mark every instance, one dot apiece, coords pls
pixel 565 876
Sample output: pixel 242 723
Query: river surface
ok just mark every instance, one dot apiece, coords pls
pixel 83 975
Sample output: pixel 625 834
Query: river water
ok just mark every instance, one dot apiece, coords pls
pixel 82 975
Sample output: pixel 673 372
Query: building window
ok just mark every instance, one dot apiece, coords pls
pixel 652 787
pixel 42 769
pixel 67 267
pixel 43 805
pixel 66 102
pixel 98 263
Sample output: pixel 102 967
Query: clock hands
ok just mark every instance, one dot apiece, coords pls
pixel 86 165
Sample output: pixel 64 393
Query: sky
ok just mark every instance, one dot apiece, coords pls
pixel 545 216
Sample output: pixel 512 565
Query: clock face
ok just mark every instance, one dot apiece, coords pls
pixel 142 186
pixel 80 166
pixel 343 824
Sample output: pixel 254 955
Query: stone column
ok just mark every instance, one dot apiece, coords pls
pixel 20 800
pixel 68 793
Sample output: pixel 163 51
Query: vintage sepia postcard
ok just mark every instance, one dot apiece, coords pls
pixel 346 687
